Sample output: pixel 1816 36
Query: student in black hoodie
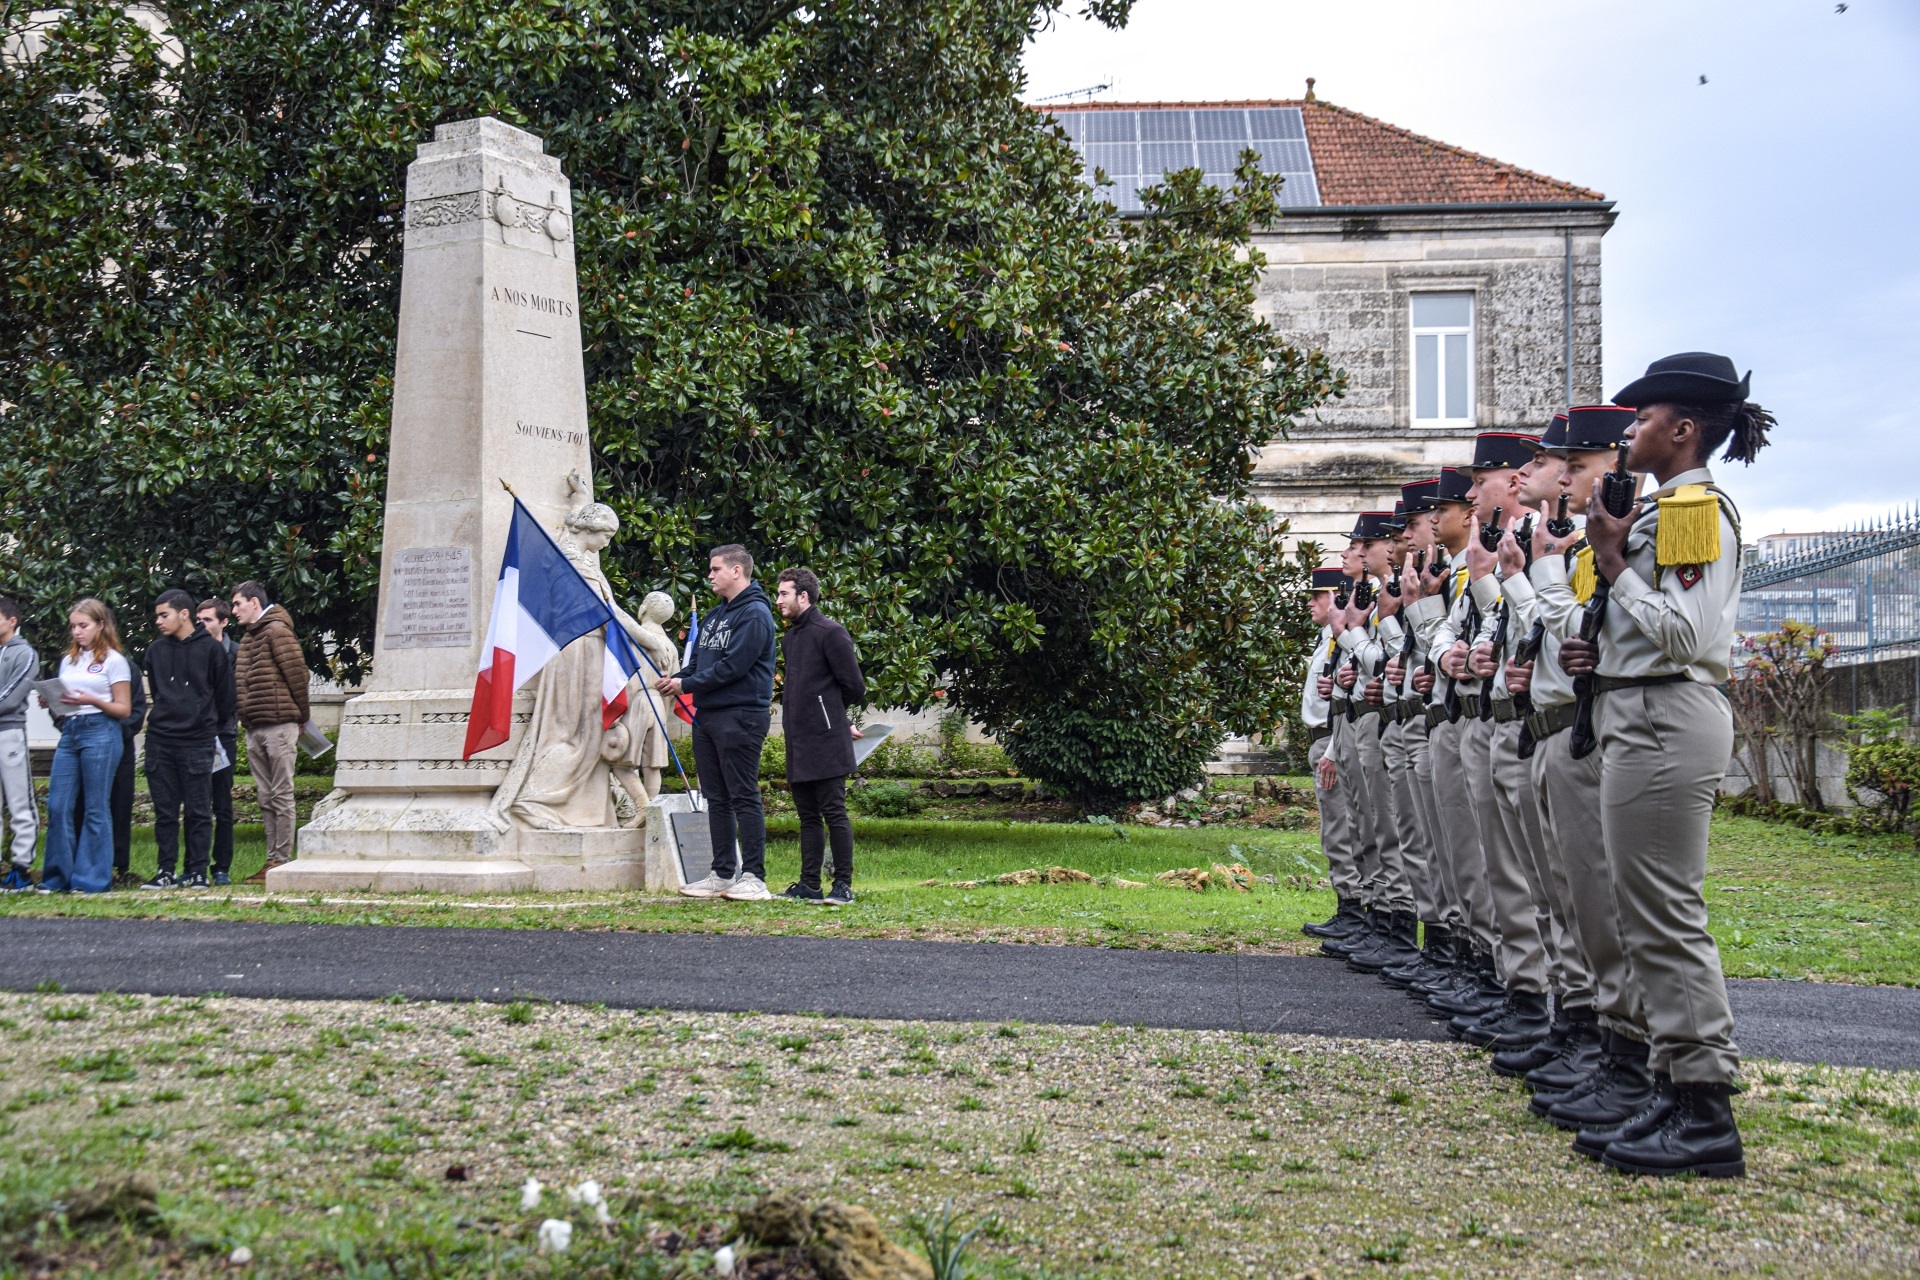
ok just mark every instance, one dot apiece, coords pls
pixel 730 676
pixel 823 680
pixel 190 679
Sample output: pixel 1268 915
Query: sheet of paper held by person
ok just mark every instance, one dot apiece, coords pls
pixel 313 741
pixel 53 693
pixel 872 736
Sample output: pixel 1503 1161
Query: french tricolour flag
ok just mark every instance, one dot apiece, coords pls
pixel 540 606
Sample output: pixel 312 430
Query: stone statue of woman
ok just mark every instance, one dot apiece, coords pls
pixel 567 759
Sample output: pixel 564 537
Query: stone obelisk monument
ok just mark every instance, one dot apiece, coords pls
pixel 488 387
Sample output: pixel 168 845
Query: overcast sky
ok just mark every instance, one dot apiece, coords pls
pixel 1771 214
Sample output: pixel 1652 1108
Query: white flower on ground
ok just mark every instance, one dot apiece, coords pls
pixel 723 1261
pixel 601 1215
pixel 241 1256
pixel 587 1193
pixel 555 1236
pixel 530 1194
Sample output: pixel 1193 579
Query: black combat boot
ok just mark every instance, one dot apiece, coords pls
pixel 1399 945
pixel 1565 1073
pixel 1428 962
pixel 1454 962
pixel 1360 939
pixel 1521 1020
pixel 1340 923
pixel 1616 1092
pixel 1697 1136
pixel 1477 992
pixel 1521 1059
pixel 1593 1143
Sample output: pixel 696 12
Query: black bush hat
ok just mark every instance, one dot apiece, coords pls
pixel 1493 450
pixel 1452 485
pixel 1373 524
pixel 1596 426
pixel 1692 377
pixel 1328 579
pixel 1418 496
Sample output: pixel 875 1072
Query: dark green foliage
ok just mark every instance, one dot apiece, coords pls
pixel 885 800
pixel 1110 757
pixel 844 300
pixel 1881 779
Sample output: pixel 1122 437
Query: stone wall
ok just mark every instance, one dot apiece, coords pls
pixel 1342 284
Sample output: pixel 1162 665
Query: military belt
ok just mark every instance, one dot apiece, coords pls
pixel 1551 720
pixel 1613 684
pixel 1469 706
pixel 1504 712
pixel 1315 732
pixel 1436 714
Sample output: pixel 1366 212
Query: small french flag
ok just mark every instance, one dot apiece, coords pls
pixel 683 704
pixel 540 606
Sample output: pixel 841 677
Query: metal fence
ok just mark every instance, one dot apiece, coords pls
pixel 1861 586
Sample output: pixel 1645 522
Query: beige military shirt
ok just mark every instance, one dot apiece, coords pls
pixel 1681 618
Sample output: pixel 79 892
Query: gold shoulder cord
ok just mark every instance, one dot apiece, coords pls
pixel 1689 527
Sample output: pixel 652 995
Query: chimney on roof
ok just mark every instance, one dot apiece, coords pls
pixel 1310 97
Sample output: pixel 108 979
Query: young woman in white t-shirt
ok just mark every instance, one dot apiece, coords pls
pixel 99 695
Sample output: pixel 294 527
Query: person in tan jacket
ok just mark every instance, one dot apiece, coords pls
pixel 270 686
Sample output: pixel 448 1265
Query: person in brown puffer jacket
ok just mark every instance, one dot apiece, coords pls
pixel 270 684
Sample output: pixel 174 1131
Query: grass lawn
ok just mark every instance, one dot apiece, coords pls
pixel 1784 902
pixel 319 1136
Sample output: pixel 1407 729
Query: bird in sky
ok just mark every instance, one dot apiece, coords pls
pixel 1703 79
pixel 1840 8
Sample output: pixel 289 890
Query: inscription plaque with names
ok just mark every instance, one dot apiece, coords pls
pixel 430 605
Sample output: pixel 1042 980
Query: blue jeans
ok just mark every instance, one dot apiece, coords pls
pixel 82 782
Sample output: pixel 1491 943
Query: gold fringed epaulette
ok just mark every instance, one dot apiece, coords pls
pixel 1583 578
pixel 1689 531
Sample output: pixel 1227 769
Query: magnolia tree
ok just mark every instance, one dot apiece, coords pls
pixel 1779 696
pixel 844 300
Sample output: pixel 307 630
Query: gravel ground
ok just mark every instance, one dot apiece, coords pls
pixel 1101 1151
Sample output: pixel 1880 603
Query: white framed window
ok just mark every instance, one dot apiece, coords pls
pixel 1443 359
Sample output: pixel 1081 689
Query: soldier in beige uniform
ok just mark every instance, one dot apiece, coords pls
pixel 1316 712
pixel 1520 954
pixel 1573 1092
pixel 1443 618
pixel 1394 936
pixel 1665 734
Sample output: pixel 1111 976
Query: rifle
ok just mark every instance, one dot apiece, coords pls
pixel 1342 594
pixel 1406 636
pixel 1362 599
pixel 1617 496
pixel 1561 525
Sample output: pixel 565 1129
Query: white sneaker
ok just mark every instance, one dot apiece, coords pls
pixel 748 888
pixel 712 887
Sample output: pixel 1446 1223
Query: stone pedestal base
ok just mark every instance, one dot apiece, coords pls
pixel 408 844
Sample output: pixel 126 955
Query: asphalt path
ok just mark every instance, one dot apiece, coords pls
pixel 862 978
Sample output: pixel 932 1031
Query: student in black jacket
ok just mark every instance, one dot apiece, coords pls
pixel 190 695
pixel 823 680
pixel 730 676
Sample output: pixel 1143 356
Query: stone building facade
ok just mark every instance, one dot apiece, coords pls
pixel 1458 293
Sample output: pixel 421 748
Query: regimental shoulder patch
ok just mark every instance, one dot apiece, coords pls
pixel 1688 575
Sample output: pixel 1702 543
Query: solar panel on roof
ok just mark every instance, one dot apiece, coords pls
pixel 1136 148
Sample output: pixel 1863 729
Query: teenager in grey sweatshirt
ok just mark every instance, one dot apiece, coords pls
pixel 19 666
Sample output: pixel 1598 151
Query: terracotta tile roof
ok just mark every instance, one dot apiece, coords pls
pixel 1358 160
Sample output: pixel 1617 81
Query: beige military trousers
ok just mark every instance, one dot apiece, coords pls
pixel 1508 836
pixel 1663 750
pixel 1450 905
pixel 1402 745
pixel 1569 792
pixel 1459 765
pixel 1336 827
pixel 1352 778
pixel 1390 889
